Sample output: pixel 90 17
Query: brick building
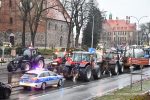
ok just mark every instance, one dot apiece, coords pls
pixel 118 32
pixel 52 30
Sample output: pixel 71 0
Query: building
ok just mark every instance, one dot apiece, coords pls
pixel 118 32
pixel 52 30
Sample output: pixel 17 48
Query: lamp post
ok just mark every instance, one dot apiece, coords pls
pixel 138 23
pixel 92 31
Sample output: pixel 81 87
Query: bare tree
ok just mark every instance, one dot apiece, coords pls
pixel 145 29
pixel 24 7
pixel 38 11
pixel 78 10
pixel 69 19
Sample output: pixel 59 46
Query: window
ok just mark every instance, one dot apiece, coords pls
pixel 55 26
pixel 10 3
pixel 42 75
pixel 46 74
pixel 11 20
pixel 61 41
pixel 49 25
pixel 61 28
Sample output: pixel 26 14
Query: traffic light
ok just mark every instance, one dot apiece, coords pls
pixel 12 40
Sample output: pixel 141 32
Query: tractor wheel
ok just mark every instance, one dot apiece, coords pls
pixel 26 66
pixel 97 73
pixel 121 68
pixel 66 72
pixel 115 70
pixel 88 73
pixel 40 63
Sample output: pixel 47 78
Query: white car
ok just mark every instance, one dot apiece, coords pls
pixel 40 79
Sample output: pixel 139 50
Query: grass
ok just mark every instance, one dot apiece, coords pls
pixel 129 93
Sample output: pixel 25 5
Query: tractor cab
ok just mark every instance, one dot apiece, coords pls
pixel 146 52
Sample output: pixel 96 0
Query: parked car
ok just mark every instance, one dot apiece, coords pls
pixel 29 60
pixel 5 90
pixel 40 79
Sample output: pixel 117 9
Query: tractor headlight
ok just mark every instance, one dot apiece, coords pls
pixel 16 62
pixel 54 63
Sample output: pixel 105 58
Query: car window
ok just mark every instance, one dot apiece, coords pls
pixel 42 75
pixel 46 74
pixel 52 74
pixel 29 75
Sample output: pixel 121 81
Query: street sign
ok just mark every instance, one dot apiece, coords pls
pixel 92 50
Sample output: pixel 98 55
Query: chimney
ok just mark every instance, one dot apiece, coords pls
pixel 127 19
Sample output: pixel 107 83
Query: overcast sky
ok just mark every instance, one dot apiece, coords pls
pixel 122 8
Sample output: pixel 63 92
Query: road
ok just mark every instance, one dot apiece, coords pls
pixel 76 91
pixel 81 90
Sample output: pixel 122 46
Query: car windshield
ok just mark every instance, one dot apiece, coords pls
pixel 80 57
pixel 27 52
pixel 137 53
pixel 29 75
pixel 109 55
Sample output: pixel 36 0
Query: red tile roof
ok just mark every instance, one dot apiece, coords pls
pixel 120 25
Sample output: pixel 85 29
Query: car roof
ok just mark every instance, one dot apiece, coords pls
pixel 39 71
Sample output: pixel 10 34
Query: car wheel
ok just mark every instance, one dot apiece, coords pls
pixel 88 73
pixel 25 66
pixel 10 67
pixel 40 63
pixel 43 86
pixel 97 74
pixel 60 83
pixel 6 93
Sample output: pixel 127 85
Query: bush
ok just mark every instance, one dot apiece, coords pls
pixel 7 51
pixel 45 51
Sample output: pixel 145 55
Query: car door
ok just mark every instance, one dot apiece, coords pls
pixel 48 78
pixel 54 77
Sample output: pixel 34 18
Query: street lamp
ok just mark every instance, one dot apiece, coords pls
pixel 0 3
pixel 93 17
pixel 138 23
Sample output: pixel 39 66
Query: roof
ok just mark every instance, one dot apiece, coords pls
pixel 37 71
pixel 58 11
pixel 120 25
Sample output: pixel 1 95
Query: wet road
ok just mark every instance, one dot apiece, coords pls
pixel 79 91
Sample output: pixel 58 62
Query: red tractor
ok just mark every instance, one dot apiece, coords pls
pixel 82 65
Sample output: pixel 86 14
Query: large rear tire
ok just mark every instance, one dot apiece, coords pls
pixel 88 73
pixel 40 63
pixel 66 72
pixel 97 73
pixel 115 70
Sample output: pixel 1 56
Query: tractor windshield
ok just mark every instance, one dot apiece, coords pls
pixel 27 53
pixel 77 57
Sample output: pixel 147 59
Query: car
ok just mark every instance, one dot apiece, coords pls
pixel 40 79
pixel 30 59
pixel 5 90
